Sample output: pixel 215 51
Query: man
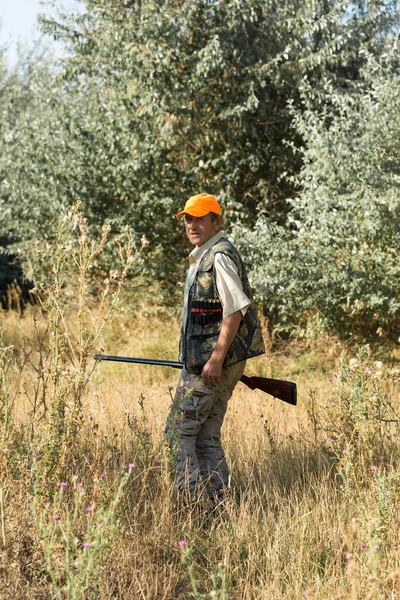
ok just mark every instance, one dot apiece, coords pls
pixel 220 331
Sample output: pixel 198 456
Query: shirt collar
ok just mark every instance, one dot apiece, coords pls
pixel 199 251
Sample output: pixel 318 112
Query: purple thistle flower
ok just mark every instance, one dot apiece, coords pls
pixel 56 518
pixel 62 484
pixel 362 545
pixel 102 476
pixel 87 545
pixel 182 543
pixel 373 468
pixel 89 509
pixel 131 466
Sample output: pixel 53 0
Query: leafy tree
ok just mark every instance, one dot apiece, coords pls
pixel 338 262
pixel 10 268
pixel 194 95
pixel 162 99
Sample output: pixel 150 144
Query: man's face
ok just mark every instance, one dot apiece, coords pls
pixel 200 229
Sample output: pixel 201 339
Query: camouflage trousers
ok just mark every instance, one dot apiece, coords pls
pixel 194 429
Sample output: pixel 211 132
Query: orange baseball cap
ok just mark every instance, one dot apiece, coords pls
pixel 200 205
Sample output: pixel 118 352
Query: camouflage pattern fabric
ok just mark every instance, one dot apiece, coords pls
pixel 194 429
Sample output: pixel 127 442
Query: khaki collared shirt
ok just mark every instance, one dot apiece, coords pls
pixel 229 286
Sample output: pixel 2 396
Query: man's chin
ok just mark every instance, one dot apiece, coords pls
pixel 196 240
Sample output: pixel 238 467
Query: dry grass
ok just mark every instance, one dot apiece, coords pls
pixel 303 521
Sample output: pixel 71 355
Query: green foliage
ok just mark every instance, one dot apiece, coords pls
pixel 286 111
pixel 336 261
pixel 159 100
pixel 195 95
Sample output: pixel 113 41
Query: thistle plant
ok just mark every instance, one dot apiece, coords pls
pixel 361 424
pixel 218 579
pixel 76 536
pixel 361 421
pixel 61 354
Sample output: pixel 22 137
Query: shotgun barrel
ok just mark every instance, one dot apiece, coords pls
pixel 141 361
pixel 283 390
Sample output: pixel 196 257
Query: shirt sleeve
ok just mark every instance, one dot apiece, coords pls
pixel 229 286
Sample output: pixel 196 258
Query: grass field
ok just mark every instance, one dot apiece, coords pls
pixel 88 504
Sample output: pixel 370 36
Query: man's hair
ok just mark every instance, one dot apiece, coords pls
pixel 214 216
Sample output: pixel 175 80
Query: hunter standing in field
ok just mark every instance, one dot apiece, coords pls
pixel 220 331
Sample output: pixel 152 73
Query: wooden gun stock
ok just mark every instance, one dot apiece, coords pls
pixel 283 390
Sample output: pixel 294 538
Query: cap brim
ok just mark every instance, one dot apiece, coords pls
pixel 193 212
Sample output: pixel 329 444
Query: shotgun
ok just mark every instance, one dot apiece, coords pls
pixel 283 390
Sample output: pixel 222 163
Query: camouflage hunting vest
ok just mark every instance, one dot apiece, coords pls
pixel 199 337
